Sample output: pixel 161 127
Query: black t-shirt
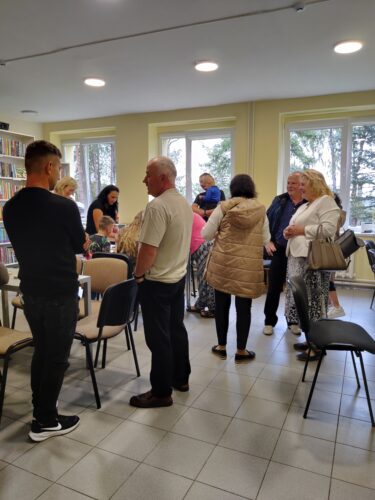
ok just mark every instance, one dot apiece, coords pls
pixel 199 200
pixel 46 233
pixel 106 209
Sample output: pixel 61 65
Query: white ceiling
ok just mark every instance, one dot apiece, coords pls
pixel 279 53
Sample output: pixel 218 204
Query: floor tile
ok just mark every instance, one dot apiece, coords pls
pixel 282 482
pixel 281 374
pixel 251 369
pixel 161 418
pixel 346 491
pixel 203 425
pixel 187 398
pixel 99 474
pixel 321 400
pixel 305 452
pixel 19 484
pixel 236 472
pixel 14 441
pixel 116 403
pixel 263 411
pixel 180 454
pixel 202 375
pixel 357 433
pixel 132 440
pixel 201 491
pixel 17 403
pixel 317 424
pixel 216 401
pixel 255 439
pixel 53 457
pixel 356 407
pixel 94 426
pixel 273 390
pixel 232 382
pixel 354 465
pixel 151 483
pixel 58 492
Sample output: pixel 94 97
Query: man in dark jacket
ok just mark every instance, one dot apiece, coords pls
pixel 279 214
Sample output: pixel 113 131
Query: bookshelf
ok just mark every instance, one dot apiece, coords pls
pixel 12 179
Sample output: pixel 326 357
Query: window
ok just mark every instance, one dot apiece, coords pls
pixel 92 164
pixel 344 152
pixel 196 153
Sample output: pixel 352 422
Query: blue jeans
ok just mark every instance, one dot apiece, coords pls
pixel 52 322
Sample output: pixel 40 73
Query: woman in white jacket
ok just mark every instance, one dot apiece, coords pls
pixel 321 209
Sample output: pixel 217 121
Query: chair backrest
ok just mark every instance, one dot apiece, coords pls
pixel 118 302
pixel 79 264
pixel 301 300
pixel 371 256
pixel 4 275
pixel 370 245
pixel 120 256
pixel 104 273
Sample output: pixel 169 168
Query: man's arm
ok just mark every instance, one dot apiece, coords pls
pixel 146 257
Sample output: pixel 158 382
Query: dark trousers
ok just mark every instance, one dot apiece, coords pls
pixel 276 280
pixel 163 309
pixel 243 321
pixel 52 322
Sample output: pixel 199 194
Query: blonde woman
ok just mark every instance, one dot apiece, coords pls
pixel 127 242
pixel 66 187
pixel 320 209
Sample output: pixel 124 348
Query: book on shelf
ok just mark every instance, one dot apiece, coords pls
pixel 12 147
pixel 8 188
pixel 3 235
pixel 10 169
pixel 7 255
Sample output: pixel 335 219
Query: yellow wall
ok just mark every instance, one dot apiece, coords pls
pixel 22 126
pixel 258 135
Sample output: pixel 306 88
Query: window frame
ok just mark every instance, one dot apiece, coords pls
pixel 191 136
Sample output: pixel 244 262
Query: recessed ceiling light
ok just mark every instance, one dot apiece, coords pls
pixel 206 66
pixel 29 112
pixel 94 82
pixel 348 47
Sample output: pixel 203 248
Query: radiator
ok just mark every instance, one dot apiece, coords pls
pixel 348 273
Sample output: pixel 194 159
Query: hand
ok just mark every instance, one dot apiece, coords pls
pixel 293 230
pixel 86 243
pixel 270 248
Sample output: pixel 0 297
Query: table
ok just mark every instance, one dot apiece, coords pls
pixel 13 285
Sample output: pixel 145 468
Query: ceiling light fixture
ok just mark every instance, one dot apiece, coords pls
pixel 206 66
pixel 29 112
pixel 348 47
pixel 94 82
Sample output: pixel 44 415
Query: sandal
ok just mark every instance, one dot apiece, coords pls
pixel 222 353
pixel 241 358
pixel 193 309
pixel 304 356
pixel 207 314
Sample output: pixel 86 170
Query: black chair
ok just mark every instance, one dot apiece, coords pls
pixel 331 335
pixel 115 315
pixel 370 250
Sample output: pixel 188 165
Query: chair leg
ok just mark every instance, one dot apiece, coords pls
pixel 136 313
pixel 97 353
pixel 14 318
pixel 313 384
pixel 373 297
pixel 355 369
pixel 306 364
pixel 366 388
pixel 127 339
pixel 130 333
pixel 92 373
pixel 193 280
pixel 104 357
pixel 3 381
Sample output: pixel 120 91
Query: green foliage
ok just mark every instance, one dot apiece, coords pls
pixel 219 164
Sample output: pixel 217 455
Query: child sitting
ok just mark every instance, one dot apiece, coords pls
pixel 212 195
pixel 100 241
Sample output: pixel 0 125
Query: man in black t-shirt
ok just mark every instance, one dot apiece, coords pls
pixel 201 206
pixel 46 232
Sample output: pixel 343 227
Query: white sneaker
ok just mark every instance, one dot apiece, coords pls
pixel 295 329
pixel 268 330
pixel 335 312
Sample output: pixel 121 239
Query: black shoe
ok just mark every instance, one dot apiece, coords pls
pixel 222 353
pixel 314 356
pixel 63 425
pixel 242 358
pixel 301 346
pixel 148 400
pixel 182 388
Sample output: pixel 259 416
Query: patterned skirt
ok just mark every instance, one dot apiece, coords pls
pixel 317 284
pixel 206 293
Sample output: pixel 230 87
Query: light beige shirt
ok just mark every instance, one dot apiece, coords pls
pixel 167 225
pixel 324 211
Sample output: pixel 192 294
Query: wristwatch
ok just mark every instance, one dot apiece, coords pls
pixel 139 279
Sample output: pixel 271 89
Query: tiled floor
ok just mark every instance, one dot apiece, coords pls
pixel 238 433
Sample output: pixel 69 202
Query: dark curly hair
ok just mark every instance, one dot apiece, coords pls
pixel 103 196
pixel 242 185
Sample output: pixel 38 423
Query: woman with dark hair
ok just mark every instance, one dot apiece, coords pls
pixel 239 227
pixel 105 204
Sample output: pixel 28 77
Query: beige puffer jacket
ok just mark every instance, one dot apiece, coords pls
pixel 235 264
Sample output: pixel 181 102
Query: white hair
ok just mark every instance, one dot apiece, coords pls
pixel 165 165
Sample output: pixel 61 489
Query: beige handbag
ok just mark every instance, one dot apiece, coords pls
pixel 324 254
